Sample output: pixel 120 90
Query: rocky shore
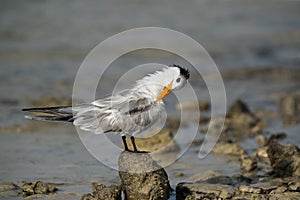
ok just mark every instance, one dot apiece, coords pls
pixel 270 170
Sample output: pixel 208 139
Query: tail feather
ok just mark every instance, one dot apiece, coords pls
pixel 54 114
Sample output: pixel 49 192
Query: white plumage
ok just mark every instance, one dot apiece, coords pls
pixel 128 112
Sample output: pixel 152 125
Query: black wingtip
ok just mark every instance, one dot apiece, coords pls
pixel 43 108
pixel 184 72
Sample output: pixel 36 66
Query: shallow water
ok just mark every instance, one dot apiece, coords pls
pixel 43 44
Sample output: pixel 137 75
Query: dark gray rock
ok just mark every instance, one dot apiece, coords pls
pixel 241 187
pixel 223 180
pixel 285 159
pixel 142 178
pixel 239 179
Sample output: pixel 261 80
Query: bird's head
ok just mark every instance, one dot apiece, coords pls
pixel 163 82
pixel 178 79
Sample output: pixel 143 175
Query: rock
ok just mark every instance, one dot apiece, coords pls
pixel 196 143
pixel 262 155
pixel 142 178
pixel 241 119
pixel 204 119
pixel 205 175
pixel 279 190
pixel 37 187
pixel 203 191
pixel 294 186
pixel 285 159
pixel 223 180
pixel 239 179
pixel 240 123
pixel 247 163
pixel 286 195
pixel 261 140
pixel 229 149
pixel 214 177
pixel 289 107
pixel 101 191
pixel 179 174
pixel 240 188
pixel 155 142
pixel 7 187
pixel 250 189
pixel 277 136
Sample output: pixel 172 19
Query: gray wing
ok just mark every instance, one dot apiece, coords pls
pixel 126 112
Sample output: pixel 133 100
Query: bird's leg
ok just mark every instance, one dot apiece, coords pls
pixel 133 144
pixel 125 143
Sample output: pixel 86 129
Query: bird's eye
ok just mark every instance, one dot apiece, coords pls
pixel 178 80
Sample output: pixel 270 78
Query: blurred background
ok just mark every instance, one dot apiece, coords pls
pixel 255 44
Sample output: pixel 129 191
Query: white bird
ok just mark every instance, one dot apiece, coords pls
pixel 127 112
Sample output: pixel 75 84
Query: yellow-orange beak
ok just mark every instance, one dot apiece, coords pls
pixel 165 91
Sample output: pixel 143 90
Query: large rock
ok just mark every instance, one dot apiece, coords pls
pixel 240 123
pixel 142 178
pixel 285 159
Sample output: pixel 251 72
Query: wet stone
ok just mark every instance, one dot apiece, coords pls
pixel 32 188
pixel 285 159
pixel 223 180
pixel 239 179
pixel 203 191
pixel 249 189
pixel 142 178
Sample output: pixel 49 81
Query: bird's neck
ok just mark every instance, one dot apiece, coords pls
pixel 152 85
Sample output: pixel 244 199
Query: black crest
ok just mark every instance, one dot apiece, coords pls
pixel 184 72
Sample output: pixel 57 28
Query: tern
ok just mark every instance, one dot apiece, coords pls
pixel 127 112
